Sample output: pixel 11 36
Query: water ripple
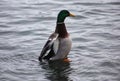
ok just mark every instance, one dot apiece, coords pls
pixel 25 25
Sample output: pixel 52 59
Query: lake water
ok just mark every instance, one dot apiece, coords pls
pixel 25 25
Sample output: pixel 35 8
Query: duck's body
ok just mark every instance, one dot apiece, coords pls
pixel 64 47
pixel 59 43
pixel 62 44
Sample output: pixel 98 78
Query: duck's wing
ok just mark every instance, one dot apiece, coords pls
pixel 48 45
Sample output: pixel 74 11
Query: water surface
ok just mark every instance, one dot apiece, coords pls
pixel 25 25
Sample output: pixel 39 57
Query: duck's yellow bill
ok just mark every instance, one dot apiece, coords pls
pixel 72 15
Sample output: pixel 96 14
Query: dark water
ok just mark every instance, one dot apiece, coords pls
pixel 26 24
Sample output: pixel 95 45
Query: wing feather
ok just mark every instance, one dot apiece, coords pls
pixel 48 45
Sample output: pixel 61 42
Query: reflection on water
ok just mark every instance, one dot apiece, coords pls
pixel 57 70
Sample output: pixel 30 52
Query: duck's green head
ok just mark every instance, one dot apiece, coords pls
pixel 62 15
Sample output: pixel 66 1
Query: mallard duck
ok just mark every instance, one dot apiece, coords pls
pixel 59 43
